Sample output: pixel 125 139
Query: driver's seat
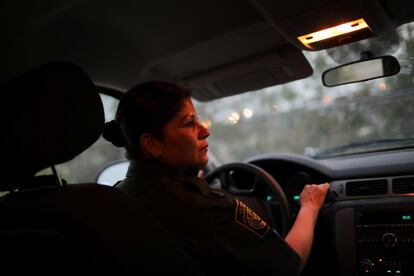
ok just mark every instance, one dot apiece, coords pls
pixel 50 115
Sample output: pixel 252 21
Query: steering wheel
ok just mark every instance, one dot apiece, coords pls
pixel 224 174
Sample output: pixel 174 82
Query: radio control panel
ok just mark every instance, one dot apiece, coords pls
pixel 384 242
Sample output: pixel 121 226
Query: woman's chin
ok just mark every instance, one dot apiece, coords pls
pixel 203 161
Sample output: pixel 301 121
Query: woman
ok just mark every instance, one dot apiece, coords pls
pixel 158 125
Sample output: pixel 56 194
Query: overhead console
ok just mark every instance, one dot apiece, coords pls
pixel 264 47
pixel 346 14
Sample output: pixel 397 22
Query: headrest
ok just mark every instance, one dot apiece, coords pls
pixel 50 114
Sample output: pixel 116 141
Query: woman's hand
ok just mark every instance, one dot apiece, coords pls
pixel 300 236
pixel 313 196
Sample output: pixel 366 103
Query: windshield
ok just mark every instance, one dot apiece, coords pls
pixel 304 117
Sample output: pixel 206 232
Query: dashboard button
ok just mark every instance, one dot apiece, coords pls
pixel 389 239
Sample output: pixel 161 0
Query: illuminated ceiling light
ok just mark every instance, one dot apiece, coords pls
pixel 234 118
pixel 247 113
pixel 331 32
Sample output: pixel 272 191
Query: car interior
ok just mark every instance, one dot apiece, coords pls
pixel 293 92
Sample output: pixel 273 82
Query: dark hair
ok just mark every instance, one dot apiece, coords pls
pixel 146 108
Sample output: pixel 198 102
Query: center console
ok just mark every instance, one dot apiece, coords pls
pixel 384 241
pixel 375 239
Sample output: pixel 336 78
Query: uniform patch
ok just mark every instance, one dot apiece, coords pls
pixel 249 219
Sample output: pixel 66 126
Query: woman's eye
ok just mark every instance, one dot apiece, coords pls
pixel 189 124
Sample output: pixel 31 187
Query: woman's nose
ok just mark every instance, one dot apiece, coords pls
pixel 203 132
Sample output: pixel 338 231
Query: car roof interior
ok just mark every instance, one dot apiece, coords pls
pixel 218 48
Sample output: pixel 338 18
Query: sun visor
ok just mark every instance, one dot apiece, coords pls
pixel 254 73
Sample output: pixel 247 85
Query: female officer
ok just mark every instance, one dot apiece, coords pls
pixel 158 125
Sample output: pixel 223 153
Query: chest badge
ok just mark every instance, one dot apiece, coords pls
pixel 249 219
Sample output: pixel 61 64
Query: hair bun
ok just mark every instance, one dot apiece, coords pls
pixel 112 133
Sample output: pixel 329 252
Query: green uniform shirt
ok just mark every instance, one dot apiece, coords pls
pixel 222 234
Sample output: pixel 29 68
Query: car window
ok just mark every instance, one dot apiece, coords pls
pixel 304 117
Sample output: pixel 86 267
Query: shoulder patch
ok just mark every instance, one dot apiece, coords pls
pixel 246 217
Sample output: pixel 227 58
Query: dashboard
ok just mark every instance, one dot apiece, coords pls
pixel 366 226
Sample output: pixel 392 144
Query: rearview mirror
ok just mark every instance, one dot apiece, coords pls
pixel 361 70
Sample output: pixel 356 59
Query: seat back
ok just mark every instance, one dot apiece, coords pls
pixel 53 113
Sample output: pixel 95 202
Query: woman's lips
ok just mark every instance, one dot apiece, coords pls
pixel 204 148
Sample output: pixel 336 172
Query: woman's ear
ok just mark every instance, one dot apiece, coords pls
pixel 151 146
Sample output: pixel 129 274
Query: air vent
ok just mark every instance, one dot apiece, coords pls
pixel 368 187
pixel 403 185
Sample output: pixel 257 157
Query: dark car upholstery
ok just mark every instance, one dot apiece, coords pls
pixel 51 114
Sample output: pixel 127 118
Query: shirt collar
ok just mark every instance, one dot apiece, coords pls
pixel 150 168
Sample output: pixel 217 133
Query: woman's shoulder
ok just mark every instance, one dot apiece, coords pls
pixel 183 194
pixel 197 190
